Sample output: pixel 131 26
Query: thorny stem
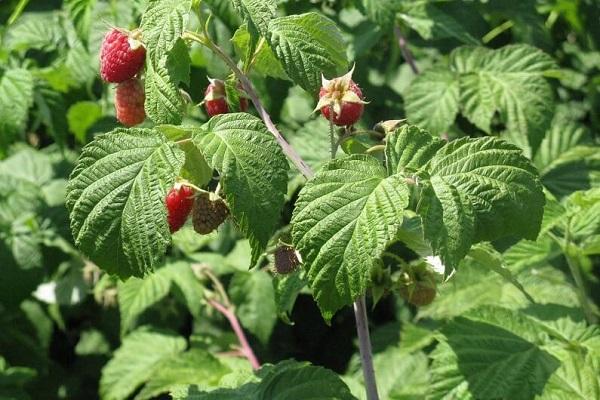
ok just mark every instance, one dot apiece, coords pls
pixel 235 325
pixel 306 171
pixel 406 53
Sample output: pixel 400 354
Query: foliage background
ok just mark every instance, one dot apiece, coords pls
pixel 62 320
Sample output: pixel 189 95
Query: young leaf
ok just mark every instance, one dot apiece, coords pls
pixel 344 219
pixel 410 147
pixel 308 45
pixel 433 99
pixel 485 184
pixel 259 14
pixel 265 62
pixel 136 361
pixel 253 172
pixel 116 199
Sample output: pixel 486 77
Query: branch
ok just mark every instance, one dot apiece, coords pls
pixel 364 345
pixel 235 325
pixel 406 53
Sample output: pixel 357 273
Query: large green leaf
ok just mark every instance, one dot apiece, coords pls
pixel 381 12
pixel 432 101
pixel 162 24
pixel 196 366
pixel 344 219
pixel 164 103
pixel 490 353
pixel 508 81
pixel 578 377
pixel 253 172
pixel 116 199
pixel 16 96
pixel 136 361
pixel 254 298
pixel 482 189
pixel 308 45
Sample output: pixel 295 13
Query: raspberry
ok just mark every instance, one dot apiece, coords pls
pixel 122 56
pixel 179 202
pixel 215 101
pixel 129 102
pixel 286 259
pixel 208 213
pixel 417 286
pixel 344 96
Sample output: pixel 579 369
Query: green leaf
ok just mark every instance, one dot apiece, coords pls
pixel 485 353
pixel 308 45
pixel 136 361
pixel 136 295
pixel 30 165
pixel 485 184
pixel 164 103
pixel 265 62
pixel 258 13
pixel 254 298
pixel 432 101
pixel 162 24
pixel 196 366
pixel 287 288
pixel 344 219
pixel 80 12
pixel 253 172
pixel 508 81
pixel 18 197
pixel 578 377
pixel 34 30
pixel 81 117
pixel 116 199
pixel 16 95
pixel 51 111
pixel 431 22
pixel 381 12
pixel 410 148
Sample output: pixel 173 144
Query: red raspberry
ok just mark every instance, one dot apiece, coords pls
pixel 129 102
pixel 215 101
pixel 122 56
pixel 346 98
pixel 179 201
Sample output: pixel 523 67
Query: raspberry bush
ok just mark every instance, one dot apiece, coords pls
pixel 299 199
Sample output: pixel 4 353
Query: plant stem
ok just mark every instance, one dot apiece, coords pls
pixel 406 53
pixel 577 277
pixel 306 171
pixel 235 325
pixel 364 345
pixel 488 37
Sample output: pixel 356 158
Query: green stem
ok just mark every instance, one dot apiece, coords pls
pixel 575 269
pixel 488 37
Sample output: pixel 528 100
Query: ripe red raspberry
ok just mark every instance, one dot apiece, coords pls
pixel 179 202
pixel 129 102
pixel 215 101
pixel 122 56
pixel 344 96
pixel 209 212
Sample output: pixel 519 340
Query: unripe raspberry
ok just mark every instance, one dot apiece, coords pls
pixel 208 213
pixel 129 102
pixel 179 202
pixel 215 100
pixel 287 259
pixel 122 55
pixel 342 96
pixel 417 286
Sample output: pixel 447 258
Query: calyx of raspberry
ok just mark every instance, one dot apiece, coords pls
pixel 338 91
pixel 134 38
pixel 215 90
